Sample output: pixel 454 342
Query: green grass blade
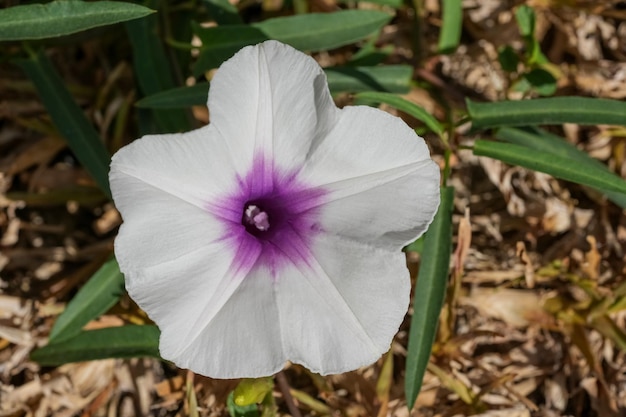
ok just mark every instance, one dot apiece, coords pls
pixel 396 4
pixel 221 42
pixel 153 73
pixel 69 119
pixel 111 342
pixel 395 78
pixel 555 165
pixel 223 12
pixel 404 105
pixel 322 31
pixel 388 78
pixel 430 290
pixel 554 110
pixel 544 142
pixel 177 98
pixel 307 32
pixel 64 17
pixel 99 294
pixel 451 25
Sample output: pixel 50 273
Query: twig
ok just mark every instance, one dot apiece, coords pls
pixel 284 388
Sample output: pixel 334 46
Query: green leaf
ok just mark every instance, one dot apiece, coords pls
pixel 177 98
pixel 554 110
pixel 389 78
pixel 111 342
pixel 154 74
pixel 394 78
pixel 542 81
pixel 396 4
pixel 525 16
pixel 312 32
pixel 406 106
pixel 451 25
pixel 235 410
pixel 223 12
pixel 508 59
pixel 430 291
pixel 547 143
pixel 322 31
pixel 63 17
pixel 369 55
pixel 252 390
pixel 69 119
pixel 221 42
pixel 555 165
pixel 415 246
pixel 99 294
pixel 522 85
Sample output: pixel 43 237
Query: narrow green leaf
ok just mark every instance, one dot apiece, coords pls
pixel 223 12
pixel 555 165
pixel 177 98
pixel 396 4
pixel 313 32
pixel 63 17
pixel 389 78
pixel 406 106
pixel 547 143
pixel 415 246
pixel 221 42
pixel 369 55
pixel 99 294
pixel 525 17
pixel 430 291
pixel 393 78
pixel 111 342
pixel 322 31
pixel 451 25
pixel 153 73
pixel 69 119
pixel 554 110
pixel 609 329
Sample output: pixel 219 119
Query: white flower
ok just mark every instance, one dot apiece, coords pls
pixel 274 233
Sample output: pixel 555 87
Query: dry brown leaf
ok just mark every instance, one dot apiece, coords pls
pixel 518 308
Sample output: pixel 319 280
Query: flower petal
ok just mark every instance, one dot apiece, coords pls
pixel 388 193
pixel 343 312
pixel 195 166
pixel 273 100
pixel 241 340
pixel 158 227
pixel 216 323
pixel 162 185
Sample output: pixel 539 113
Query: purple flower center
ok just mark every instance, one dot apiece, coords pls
pixel 270 218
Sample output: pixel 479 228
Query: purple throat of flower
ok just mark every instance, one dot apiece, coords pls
pixel 270 218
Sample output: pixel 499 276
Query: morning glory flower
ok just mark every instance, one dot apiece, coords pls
pixel 274 233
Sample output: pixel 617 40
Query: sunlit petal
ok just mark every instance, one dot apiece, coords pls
pixel 342 313
pixel 387 191
pixel 274 99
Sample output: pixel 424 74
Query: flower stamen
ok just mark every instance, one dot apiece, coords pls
pixel 255 217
